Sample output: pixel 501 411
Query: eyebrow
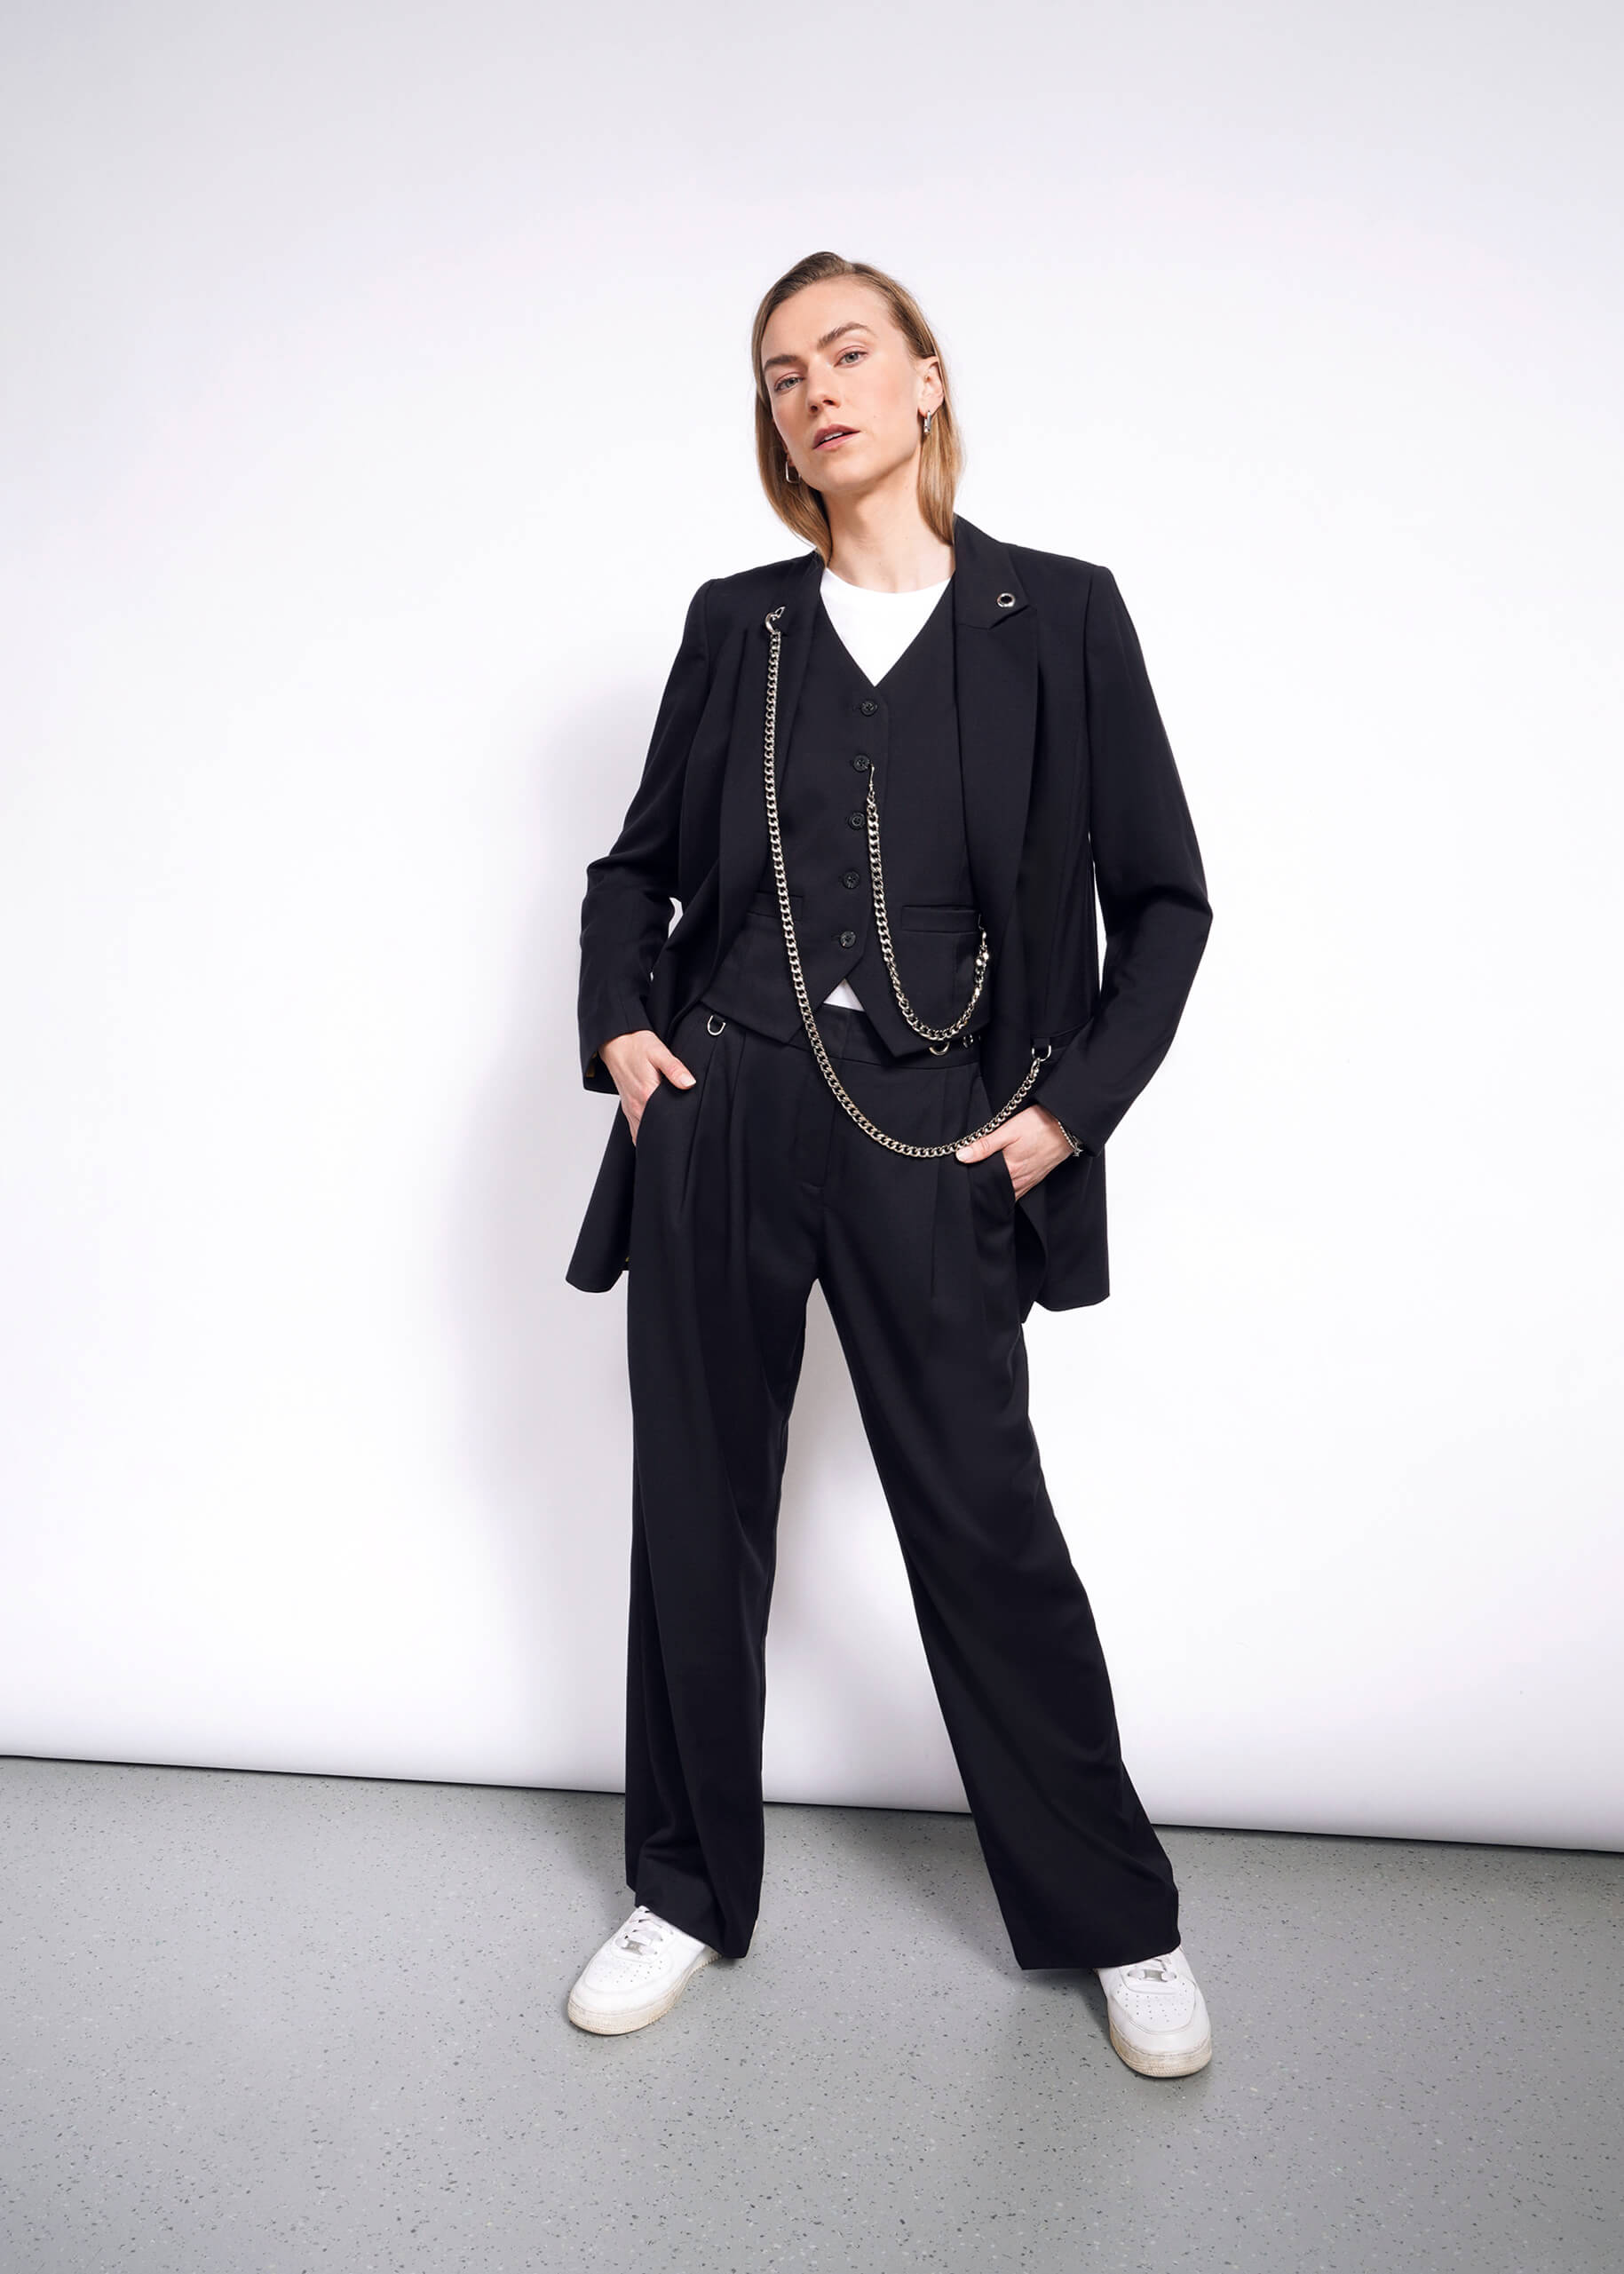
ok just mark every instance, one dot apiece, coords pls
pixel 827 336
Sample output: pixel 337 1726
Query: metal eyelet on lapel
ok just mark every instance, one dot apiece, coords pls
pixel 1006 599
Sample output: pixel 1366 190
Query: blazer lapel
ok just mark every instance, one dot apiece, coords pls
pixel 995 661
pixel 742 851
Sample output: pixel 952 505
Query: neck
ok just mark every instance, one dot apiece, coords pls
pixel 881 541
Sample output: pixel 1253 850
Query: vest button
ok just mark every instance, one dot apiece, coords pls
pixel 868 708
pixel 854 821
pixel 851 880
pixel 862 763
pixel 847 939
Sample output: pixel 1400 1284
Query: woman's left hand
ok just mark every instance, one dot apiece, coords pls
pixel 1032 1143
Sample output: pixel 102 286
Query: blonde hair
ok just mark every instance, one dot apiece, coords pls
pixel 941 454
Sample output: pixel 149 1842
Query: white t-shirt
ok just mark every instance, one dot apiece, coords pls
pixel 877 628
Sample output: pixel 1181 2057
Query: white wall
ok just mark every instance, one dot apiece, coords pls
pixel 376 392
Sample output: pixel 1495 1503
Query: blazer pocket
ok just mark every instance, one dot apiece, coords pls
pixel 939 915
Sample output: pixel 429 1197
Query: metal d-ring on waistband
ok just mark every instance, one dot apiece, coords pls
pixel 713 1025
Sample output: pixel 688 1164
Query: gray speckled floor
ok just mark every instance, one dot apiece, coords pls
pixel 277 2024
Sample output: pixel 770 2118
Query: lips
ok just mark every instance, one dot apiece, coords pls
pixel 833 434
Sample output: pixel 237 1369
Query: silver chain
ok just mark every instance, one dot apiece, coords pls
pixel 934 1034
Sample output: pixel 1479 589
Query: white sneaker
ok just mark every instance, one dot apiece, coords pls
pixel 1158 2014
pixel 637 1975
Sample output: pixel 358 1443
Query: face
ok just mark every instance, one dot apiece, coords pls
pixel 848 395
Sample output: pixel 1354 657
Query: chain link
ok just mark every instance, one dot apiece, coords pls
pixel 882 924
pixel 934 1034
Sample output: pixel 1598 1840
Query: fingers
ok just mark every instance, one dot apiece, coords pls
pixel 1000 1141
pixel 984 1148
pixel 658 1064
pixel 670 1065
pixel 1029 1151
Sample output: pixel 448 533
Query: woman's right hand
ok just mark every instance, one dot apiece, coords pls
pixel 637 1063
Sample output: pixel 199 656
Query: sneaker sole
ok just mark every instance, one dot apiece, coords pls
pixel 1161 2065
pixel 619 2024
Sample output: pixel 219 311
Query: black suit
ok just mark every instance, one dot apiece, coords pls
pixel 752 1184
pixel 1069 785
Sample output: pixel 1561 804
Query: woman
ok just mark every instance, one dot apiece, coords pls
pixel 886 777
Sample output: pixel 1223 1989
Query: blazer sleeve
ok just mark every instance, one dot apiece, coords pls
pixel 632 889
pixel 1152 891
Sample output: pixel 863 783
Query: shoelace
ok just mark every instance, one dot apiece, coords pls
pixel 1152 1973
pixel 643 1922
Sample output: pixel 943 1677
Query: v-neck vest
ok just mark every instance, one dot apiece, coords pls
pixel 904 731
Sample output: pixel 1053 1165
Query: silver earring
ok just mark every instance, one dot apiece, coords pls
pixel 930 414
pixel 789 473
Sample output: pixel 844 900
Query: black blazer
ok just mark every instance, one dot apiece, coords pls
pixel 1069 786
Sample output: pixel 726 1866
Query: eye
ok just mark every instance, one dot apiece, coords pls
pixel 780 384
pixel 848 350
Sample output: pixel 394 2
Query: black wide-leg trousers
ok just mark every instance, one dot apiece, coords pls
pixel 747 1188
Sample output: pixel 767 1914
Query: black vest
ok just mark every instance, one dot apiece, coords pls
pixel 906 731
